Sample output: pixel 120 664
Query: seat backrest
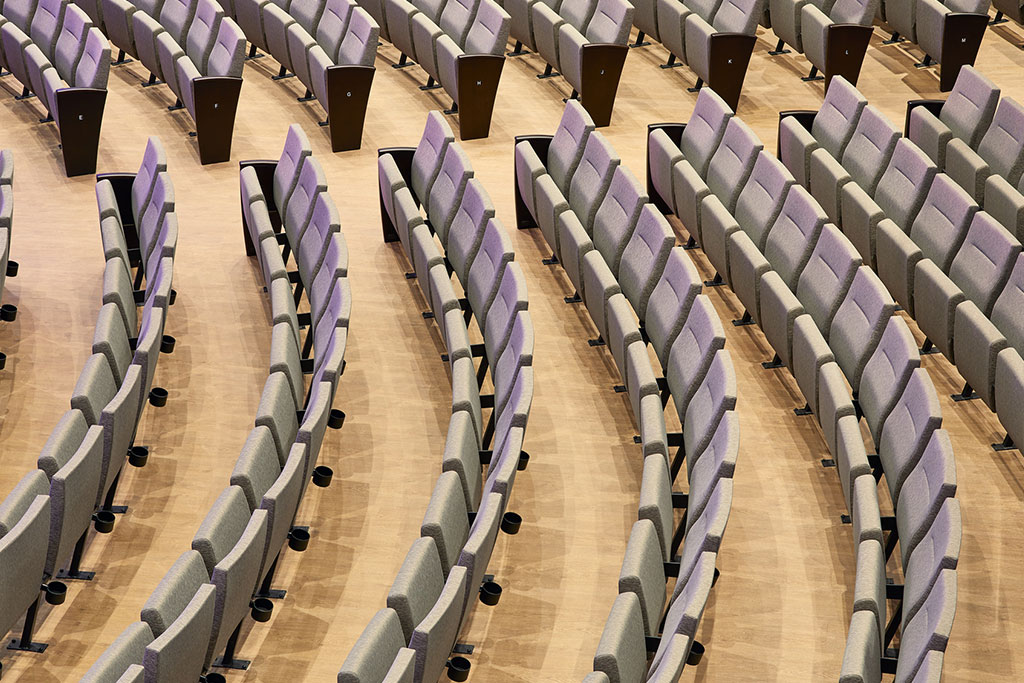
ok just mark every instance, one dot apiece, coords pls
pixel 457 17
pixel 174 592
pixel 312 181
pixel 129 646
pixel 46 23
pixel 687 606
pixel 592 178
pixel 435 635
pixel 644 258
pixel 905 183
pixel 93 67
pixel 793 237
pixel 374 651
pixel 446 519
pixel 738 16
pixel 258 465
pixel 868 152
pixel 202 33
pixel 62 444
pixel 643 574
pixel 1002 146
pixel 862 656
pixel 692 352
pixel 939 549
pixel 859 322
pixel 70 42
pixel 177 654
pixel 487 269
pixel 281 501
pixel 718 462
pixel 20 12
pixel 289 165
pixel 467 229
pixel 578 13
pixel 968 110
pixel 854 11
pixel 617 215
pixel 908 429
pixel 886 374
pixel 825 278
pixel 705 9
pixel 761 199
pixel 924 493
pixel 838 117
pixel 704 531
pixel 670 302
pixel 611 22
pixel 930 627
pixel 222 527
pixel 476 553
pixel 447 190
pixel 417 585
pixel 359 46
pixel 732 162
pixel 330 30
pixel 568 144
pixel 1006 309
pixel 942 222
pixel 307 14
pixel 715 395
pixel 621 652
pixel 95 387
pixel 23 545
pixel 704 130
pixel 119 419
pixel 429 155
pixel 176 17
pixel 228 53
pixel 489 33
pixel 984 261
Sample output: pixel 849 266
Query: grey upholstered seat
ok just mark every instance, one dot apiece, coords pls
pixel 862 657
pixel 669 304
pixel 1000 151
pixel 124 652
pixel 930 628
pixel 564 153
pixel 924 493
pixel 858 324
pixel 826 278
pixel 965 115
pixel 373 653
pixel 907 431
pixel 435 635
pixel 617 216
pixel 417 585
pixel 886 374
pixel 621 653
pixel 446 520
pixel 687 607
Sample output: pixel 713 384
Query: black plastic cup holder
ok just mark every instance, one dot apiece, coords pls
pixel 3 360
pixel 214 677
pixel 337 419
pixel 262 608
pixel 138 456
pixel 103 521
pixel 490 593
pixel 158 397
pixel 510 523
pixel 167 344
pixel 458 668
pixel 524 461
pixel 8 312
pixel 322 476
pixel 696 654
pixel 298 540
pixel 55 593
pixel 12 269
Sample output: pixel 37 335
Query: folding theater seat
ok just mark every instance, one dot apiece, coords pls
pixel 258 466
pixel 1004 313
pixel 644 259
pixel 485 274
pixel 417 585
pixel 728 169
pixel 622 653
pixel 476 554
pixel 692 352
pixel 830 128
pixel 936 233
pixel 714 397
pixel 330 28
pixel 834 404
pixel 231 540
pixel 601 44
pixel 964 115
pixel 694 142
pixel 640 574
pixel 928 494
pixel 617 216
pixel 180 614
pixel 862 656
pixel 469 229
pixel 928 632
pixel 824 281
pixel 863 161
pixel 835 42
pixel 557 159
pixel 977 273
pixel 124 654
pixel 434 637
pixel 792 238
pixel 899 195
pixel 886 374
pixel 119 420
pixel 779 310
pixel 859 323
pixel 375 655
pixel 718 48
pixel 685 611
pixel 977 343
pixel 281 502
pixel 810 353
pixel 670 302
pixel 907 431
pixel 757 208
pixel 949 33
pixel 548 22
pixel 1000 152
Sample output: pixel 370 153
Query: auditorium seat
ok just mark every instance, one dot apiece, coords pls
pixel 929 629
pixel 999 152
pixel 371 658
pixel 670 303
pixel 887 373
pixel 907 431
pixel 130 646
pixel 965 115
pixel 621 653
pixel 435 635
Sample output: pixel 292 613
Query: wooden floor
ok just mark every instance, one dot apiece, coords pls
pixel 780 611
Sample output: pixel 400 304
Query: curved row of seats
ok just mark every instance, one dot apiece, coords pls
pixel 715 39
pixel 44 521
pixel 54 51
pixel 584 40
pixel 445 570
pixel 459 43
pixel 8 268
pixel 196 50
pixel 330 45
pixel 956 267
pixel 196 612
pixel 832 323
pixel 619 253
